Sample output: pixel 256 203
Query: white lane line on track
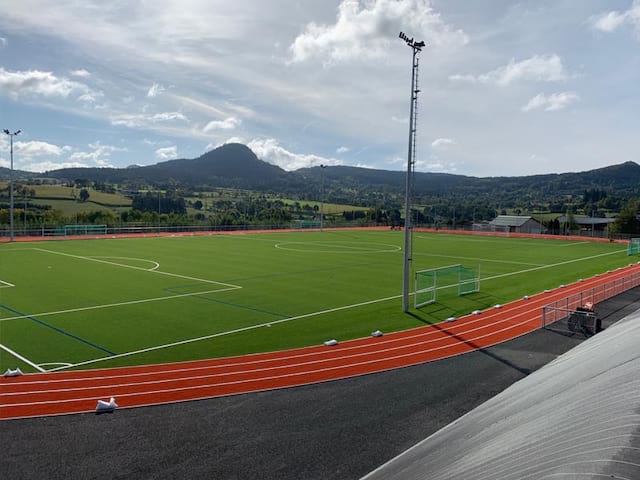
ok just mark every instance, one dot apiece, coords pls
pixel 308 315
pixel 259 379
pixel 20 357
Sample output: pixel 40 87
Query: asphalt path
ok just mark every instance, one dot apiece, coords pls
pixel 340 429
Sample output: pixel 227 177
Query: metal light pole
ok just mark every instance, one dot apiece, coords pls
pixel 322 167
pixel 416 48
pixel 11 135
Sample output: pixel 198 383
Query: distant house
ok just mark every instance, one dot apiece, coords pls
pixel 516 223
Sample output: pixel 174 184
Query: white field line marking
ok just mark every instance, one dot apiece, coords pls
pixel 489 260
pixel 228 332
pixel 20 357
pixel 4 284
pixel 457 328
pixel 552 265
pixel 347 249
pixel 500 240
pixel 404 346
pixel 110 305
pixel 136 268
pixel 55 363
pixel 574 243
pixel 236 382
pixel 156 264
pixel 306 315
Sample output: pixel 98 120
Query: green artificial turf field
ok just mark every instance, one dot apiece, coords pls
pixel 100 303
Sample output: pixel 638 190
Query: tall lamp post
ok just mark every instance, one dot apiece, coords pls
pixel 416 48
pixel 322 167
pixel 11 135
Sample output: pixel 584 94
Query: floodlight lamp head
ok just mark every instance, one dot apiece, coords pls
pixel 419 44
pixel 7 131
pixel 17 132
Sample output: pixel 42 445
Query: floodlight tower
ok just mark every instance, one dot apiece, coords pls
pixel 11 135
pixel 416 48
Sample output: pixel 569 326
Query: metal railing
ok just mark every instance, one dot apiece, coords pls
pixel 561 310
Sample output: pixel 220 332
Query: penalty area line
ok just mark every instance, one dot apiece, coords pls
pixel 120 304
pixel 94 259
pixel 20 357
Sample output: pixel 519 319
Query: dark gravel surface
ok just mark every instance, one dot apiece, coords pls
pixel 339 430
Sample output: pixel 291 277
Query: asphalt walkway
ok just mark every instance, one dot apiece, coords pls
pixel 341 429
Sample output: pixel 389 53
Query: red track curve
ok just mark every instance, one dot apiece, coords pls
pixel 59 393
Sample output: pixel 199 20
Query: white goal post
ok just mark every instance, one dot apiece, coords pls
pixel 428 282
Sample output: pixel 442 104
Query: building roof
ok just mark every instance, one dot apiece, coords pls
pixel 587 220
pixel 511 220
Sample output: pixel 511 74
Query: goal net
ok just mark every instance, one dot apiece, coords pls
pixel 452 279
pixel 634 246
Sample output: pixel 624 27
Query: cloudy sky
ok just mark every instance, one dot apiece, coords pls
pixel 507 88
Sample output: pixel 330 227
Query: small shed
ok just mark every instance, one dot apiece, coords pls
pixel 516 223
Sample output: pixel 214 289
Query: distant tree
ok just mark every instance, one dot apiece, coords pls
pixel 197 205
pixel 627 220
pixel 84 195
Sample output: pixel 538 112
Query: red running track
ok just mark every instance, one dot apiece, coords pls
pixel 59 393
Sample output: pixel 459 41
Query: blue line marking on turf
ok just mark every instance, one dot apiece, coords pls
pixel 231 304
pixel 59 330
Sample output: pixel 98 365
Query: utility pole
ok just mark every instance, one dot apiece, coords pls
pixel 11 135
pixel 416 48
pixel 322 167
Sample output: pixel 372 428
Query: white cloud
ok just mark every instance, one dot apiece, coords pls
pixel 435 164
pixel 36 148
pixel 549 103
pixel 611 21
pixel 213 146
pixel 35 82
pixel 269 150
pixel 167 153
pixel 541 68
pixel 608 22
pixel 399 120
pixel 143 120
pixel 3 42
pixel 442 143
pixel 365 29
pixel 80 73
pixel 90 97
pixel 155 90
pixel 48 165
pixel 229 123
pixel 343 150
pixel 99 155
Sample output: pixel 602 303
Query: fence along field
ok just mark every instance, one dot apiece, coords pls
pixel 100 303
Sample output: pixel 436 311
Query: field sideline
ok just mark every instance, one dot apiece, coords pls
pixel 90 304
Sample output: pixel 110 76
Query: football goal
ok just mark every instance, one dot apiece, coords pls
pixel 634 246
pixel 462 280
